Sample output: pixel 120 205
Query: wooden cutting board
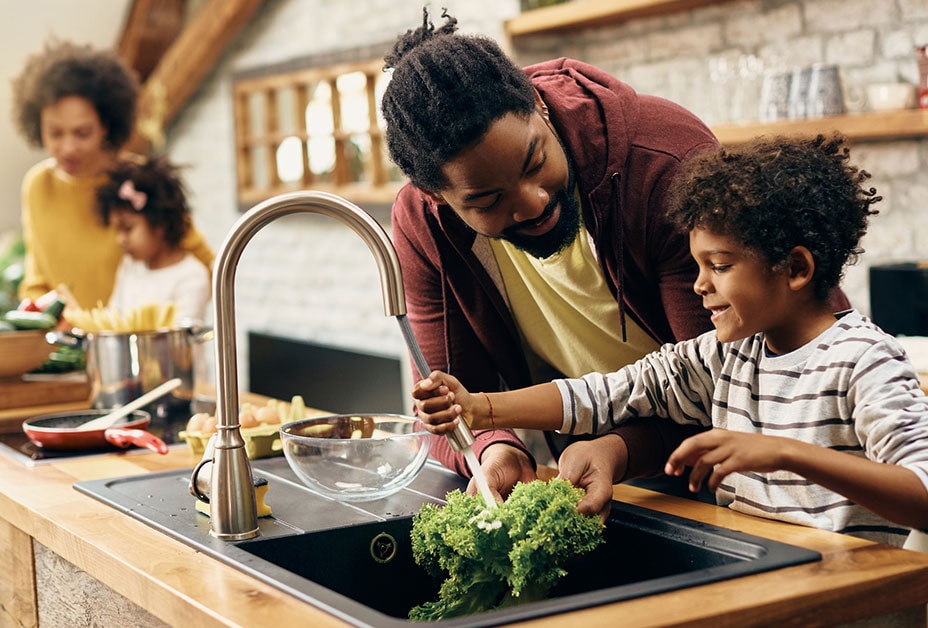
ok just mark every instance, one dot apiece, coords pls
pixel 16 393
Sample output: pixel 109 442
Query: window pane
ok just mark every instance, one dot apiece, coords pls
pixel 319 111
pixel 321 152
pixel 256 113
pixel 383 79
pixel 290 160
pixel 286 101
pixel 352 94
pixel 260 176
pixel 358 152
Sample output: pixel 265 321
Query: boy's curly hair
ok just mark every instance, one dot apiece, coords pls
pixel 774 194
pixel 166 202
pixel 65 69
pixel 445 92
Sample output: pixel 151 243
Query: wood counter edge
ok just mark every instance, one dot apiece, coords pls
pixel 180 585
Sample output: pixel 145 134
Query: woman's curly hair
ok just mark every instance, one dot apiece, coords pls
pixel 165 203
pixel 774 194
pixel 65 69
pixel 445 93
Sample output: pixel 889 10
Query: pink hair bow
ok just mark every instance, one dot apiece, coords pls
pixel 127 192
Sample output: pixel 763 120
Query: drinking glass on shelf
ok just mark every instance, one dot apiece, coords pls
pixel 774 96
pixel 798 93
pixel 825 96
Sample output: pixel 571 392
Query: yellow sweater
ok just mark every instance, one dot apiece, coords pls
pixel 66 242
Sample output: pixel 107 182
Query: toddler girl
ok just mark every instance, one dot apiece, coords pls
pixel 144 202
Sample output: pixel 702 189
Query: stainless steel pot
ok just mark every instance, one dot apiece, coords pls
pixel 123 366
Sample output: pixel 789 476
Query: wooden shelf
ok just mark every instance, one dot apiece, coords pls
pixel 862 127
pixel 579 14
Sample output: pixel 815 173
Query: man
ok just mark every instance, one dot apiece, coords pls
pixel 533 237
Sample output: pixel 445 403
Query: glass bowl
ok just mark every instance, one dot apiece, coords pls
pixel 356 458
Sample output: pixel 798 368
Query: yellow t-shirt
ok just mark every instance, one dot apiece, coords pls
pixel 565 311
pixel 66 243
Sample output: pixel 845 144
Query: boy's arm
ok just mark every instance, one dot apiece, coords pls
pixel 894 492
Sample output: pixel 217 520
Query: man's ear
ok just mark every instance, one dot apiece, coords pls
pixel 540 104
pixel 434 196
pixel 800 267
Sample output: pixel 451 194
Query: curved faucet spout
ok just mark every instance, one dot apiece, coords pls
pixel 233 512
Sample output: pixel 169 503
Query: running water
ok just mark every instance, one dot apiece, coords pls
pixel 462 438
pixel 479 477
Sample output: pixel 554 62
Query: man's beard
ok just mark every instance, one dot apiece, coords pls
pixel 560 236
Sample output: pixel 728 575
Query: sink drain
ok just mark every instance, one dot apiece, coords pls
pixel 383 548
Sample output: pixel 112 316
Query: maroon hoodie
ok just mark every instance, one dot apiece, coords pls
pixel 625 149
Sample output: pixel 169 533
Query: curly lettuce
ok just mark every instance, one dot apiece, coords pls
pixel 492 558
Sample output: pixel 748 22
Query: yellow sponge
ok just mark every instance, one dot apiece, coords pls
pixel 261 487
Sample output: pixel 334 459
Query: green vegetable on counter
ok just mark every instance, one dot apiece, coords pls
pixel 30 320
pixel 503 556
pixel 64 360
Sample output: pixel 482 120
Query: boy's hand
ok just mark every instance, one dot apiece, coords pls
pixel 441 401
pixel 720 452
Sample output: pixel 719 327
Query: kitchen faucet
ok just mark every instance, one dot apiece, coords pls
pixel 231 494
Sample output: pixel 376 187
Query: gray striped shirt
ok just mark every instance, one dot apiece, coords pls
pixel 852 389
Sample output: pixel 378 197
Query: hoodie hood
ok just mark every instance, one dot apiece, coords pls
pixel 609 109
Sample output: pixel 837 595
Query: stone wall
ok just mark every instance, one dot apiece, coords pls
pixel 311 278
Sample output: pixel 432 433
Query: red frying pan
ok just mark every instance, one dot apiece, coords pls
pixel 59 431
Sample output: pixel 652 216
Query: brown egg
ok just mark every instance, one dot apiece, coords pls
pixel 209 425
pixel 195 424
pixel 267 414
pixel 247 419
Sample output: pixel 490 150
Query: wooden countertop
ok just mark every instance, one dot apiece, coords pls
pixel 183 587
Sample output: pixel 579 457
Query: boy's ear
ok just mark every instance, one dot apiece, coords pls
pixel 800 267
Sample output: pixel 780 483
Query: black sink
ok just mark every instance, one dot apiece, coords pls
pixel 645 552
pixel 355 561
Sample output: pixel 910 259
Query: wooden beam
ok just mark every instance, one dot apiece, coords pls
pixel 150 29
pixel 185 64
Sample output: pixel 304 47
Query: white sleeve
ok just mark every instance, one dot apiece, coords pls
pixel 192 292
pixel 677 381
pixel 890 410
pixel 118 296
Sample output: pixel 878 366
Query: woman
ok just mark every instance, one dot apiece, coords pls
pixel 79 104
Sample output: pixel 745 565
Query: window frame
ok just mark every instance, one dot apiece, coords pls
pixel 298 75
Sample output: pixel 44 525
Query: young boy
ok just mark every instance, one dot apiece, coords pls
pixel 818 417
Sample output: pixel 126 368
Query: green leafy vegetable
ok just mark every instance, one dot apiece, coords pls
pixel 503 556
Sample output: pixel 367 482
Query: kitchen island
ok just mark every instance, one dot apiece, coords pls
pixel 41 515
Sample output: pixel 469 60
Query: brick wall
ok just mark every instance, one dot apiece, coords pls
pixel 312 278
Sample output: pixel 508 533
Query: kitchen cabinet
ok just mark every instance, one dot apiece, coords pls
pixel 580 14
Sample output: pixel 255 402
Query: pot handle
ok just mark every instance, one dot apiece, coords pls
pixel 63 338
pixel 123 437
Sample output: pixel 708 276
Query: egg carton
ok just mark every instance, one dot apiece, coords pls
pixel 261 441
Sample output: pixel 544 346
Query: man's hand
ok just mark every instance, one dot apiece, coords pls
pixel 504 466
pixel 594 465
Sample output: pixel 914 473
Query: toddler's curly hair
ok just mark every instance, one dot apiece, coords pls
pixel 165 203
pixel 445 93
pixel 774 194
pixel 64 69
